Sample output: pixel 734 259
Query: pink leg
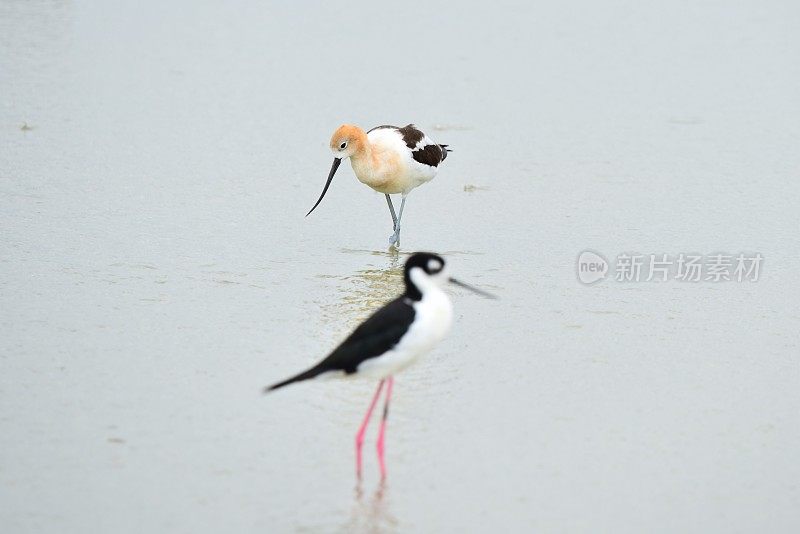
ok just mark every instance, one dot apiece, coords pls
pixel 363 429
pixel 382 432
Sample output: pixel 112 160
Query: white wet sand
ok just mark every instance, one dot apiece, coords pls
pixel 156 270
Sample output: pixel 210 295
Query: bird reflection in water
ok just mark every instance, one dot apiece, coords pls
pixel 371 512
pixel 363 292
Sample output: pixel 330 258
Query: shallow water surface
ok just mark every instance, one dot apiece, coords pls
pixel 156 268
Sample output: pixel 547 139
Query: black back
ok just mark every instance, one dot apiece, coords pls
pixel 380 332
pixel 373 337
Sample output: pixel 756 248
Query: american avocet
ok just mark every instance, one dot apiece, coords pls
pixel 392 338
pixel 389 159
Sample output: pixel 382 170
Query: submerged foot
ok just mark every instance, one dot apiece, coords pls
pixel 394 239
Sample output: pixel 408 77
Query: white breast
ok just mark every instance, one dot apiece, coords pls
pixel 432 321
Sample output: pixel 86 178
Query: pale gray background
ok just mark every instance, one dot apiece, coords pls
pixel 156 269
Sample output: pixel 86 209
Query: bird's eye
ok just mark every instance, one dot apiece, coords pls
pixel 434 266
pixel 343 146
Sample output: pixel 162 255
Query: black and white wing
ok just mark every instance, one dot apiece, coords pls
pixel 374 337
pixel 423 149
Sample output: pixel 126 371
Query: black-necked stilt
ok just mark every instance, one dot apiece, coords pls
pixel 393 338
pixel 389 159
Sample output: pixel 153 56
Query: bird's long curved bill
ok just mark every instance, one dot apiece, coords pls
pixel 475 290
pixel 336 163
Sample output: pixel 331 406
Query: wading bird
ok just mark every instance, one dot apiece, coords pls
pixel 392 339
pixel 389 159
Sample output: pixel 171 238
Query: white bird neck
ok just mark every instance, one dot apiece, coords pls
pixel 425 284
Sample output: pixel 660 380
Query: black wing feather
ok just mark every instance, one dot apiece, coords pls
pixel 429 155
pixel 375 336
pixel 411 135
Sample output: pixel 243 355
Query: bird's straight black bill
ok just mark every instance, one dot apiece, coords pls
pixel 336 163
pixel 480 292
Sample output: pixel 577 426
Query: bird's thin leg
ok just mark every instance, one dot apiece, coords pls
pixel 391 210
pixel 395 237
pixel 382 432
pixel 363 428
